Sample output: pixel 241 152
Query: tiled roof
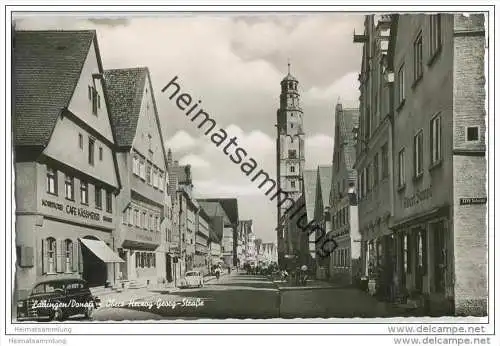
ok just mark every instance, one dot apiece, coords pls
pixel 213 209
pixel 125 92
pixel 310 192
pixel 325 181
pixel 230 206
pixel 46 70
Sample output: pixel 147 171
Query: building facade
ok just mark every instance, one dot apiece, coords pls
pixel 143 170
pixel 345 261
pixel 65 165
pixel 172 225
pixel 322 209
pixel 374 157
pixel 202 250
pixel 440 166
pixel 290 156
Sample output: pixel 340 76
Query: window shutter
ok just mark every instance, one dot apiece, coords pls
pixel 75 256
pixel 80 256
pixel 45 259
pixel 59 256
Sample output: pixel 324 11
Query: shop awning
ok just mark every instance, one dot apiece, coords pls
pixel 101 250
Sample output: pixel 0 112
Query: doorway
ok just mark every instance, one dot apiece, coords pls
pixel 95 271
pixel 168 259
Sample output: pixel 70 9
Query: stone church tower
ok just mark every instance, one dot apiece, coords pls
pixel 290 155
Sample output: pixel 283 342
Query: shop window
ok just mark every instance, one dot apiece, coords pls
pixel 69 184
pixel 68 256
pixel 84 192
pixel 51 181
pixel 51 254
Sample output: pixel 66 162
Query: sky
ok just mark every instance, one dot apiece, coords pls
pixel 233 63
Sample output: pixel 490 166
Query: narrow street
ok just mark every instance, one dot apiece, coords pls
pixel 241 296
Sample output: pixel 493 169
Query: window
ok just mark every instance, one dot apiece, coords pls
pixel 385 161
pixel 90 92
pixel 369 178
pixel 51 255
pixel 84 192
pixel 91 151
pixel 436 139
pixel 292 154
pixel 292 169
pixel 135 165
pixel 418 153
pixel 98 101
pixel 292 183
pixel 136 218
pixel 109 202
pixel 401 166
pixel 401 84
pixel 422 251
pixel 472 134
pixel 51 181
pixel 144 220
pixel 417 58
pixel 100 153
pixel 405 253
pixel 142 169
pixel 94 101
pixel 160 181
pixel 435 35
pixel 151 222
pixel 69 187
pixel 68 255
pixel 98 197
pixel 375 170
pixel 155 178
pixel 157 224
pixel 80 141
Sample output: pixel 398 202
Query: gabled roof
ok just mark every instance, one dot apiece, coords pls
pixel 46 69
pixel 230 206
pixel 125 89
pixel 325 183
pixel 310 192
pixel 213 209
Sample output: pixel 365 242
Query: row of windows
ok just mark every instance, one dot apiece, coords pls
pixel 95 99
pixel 51 253
pixel 341 258
pixel 69 190
pixel 374 172
pixel 141 219
pixel 91 149
pixel 145 259
pixel 435 43
pixel 341 218
pixel 148 172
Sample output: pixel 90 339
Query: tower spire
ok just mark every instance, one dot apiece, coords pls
pixel 288 65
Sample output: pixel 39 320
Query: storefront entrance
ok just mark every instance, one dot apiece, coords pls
pixel 95 271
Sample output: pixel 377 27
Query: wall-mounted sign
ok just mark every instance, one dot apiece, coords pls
pixel 107 219
pixel 474 200
pixel 417 197
pixel 72 210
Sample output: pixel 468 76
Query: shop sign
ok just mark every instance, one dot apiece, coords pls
pixel 418 197
pixel 107 219
pixel 474 200
pixel 72 210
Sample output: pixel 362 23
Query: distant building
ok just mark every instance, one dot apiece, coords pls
pixel 202 250
pixel 345 260
pixel 290 157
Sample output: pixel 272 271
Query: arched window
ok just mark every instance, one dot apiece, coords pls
pixel 68 255
pixel 51 255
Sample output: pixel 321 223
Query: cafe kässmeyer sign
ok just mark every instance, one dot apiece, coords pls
pixel 75 211
pixel 473 200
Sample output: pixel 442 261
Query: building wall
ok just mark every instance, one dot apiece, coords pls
pixel 470 231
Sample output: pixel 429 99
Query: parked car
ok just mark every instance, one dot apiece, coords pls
pixel 57 299
pixel 192 278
